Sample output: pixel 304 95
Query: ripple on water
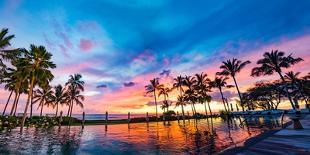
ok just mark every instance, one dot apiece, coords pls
pixel 194 136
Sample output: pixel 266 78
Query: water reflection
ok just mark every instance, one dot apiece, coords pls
pixel 205 136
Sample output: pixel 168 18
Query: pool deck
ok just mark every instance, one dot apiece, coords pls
pixel 286 141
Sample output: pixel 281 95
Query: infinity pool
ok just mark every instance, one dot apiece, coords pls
pixel 205 136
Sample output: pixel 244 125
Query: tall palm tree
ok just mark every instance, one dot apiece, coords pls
pixel 190 95
pixel 178 83
pixel 201 89
pixel 164 91
pixel 43 97
pixel 75 86
pixel 273 62
pixel 230 68
pixel 75 96
pixel 220 83
pixel 60 96
pixel 37 62
pixel 181 102
pixel 151 88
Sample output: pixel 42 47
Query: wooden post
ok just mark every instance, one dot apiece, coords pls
pixel 83 121
pixel 147 117
pixel 128 117
pixel 106 117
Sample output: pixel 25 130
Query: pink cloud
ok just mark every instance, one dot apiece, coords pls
pixel 86 45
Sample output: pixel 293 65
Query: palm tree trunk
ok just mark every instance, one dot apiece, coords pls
pixel 223 99
pixel 241 101
pixel 209 108
pixel 156 104
pixel 42 103
pixel 16 105
pixel 71 109
pixel 27 104
pixel 286 90
pixel 183 114
pixel 6 105
pixel 13 106
pixel 31 106
pixel 56 109
pixel 206 109
pixel 194 108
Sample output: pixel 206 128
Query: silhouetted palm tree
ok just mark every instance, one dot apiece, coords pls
pixel 164 91
pixel 201 88
pixel 190 95
pixel 231 68
pixel 220 83
pixel 75 96
pixel 273 62
pixel 60 96
pixel 37 62
pixel 151 88
pixel 297 85
pixel 43 97
pixel 75 86
pixel 178 83
pixel 181 102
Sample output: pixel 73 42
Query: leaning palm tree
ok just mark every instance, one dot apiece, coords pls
pixel 178 83
pixel 59 97
pixel 273 62
pixel 76 84
pixel 42 97
pixel 151 88
pixel 231 68
pixel 220 83
pixel 37 62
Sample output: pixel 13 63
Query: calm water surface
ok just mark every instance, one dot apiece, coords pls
pixel 189 137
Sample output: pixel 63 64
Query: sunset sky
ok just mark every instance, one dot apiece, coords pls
pixel 118 46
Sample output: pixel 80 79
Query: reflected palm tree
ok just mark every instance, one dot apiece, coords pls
pixel 273 62
pixel 231 68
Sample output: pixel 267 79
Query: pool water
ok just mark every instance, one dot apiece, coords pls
pixel 205 136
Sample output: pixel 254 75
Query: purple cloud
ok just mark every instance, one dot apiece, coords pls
pixel 102 86
pixel 129 84
pixel 165 73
